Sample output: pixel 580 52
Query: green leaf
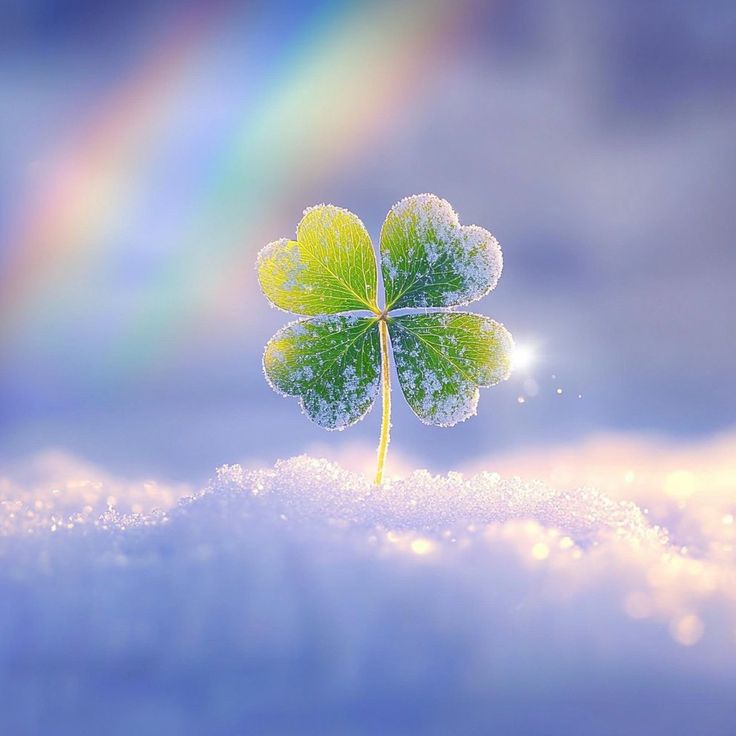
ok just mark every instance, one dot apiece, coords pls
pixel 331 363
pixel 329 268
pixel 442 358
pixel 429 260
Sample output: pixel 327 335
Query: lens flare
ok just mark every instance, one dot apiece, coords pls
pixel 523 358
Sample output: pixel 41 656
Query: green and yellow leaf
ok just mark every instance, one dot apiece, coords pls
pixel 332 363
pixel 329 268
pixel 429 260
pixel 443 358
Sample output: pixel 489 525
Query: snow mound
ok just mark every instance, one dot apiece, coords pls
pixel 318 489
pixel 303 600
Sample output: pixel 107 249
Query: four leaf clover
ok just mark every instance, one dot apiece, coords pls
pixel 336 360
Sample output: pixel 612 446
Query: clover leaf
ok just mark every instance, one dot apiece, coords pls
pixel 331 362
pixel 337 360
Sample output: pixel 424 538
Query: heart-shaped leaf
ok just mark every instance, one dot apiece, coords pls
pixel 329 268
pixel 429 260
pixel 331 363
pixel 443 358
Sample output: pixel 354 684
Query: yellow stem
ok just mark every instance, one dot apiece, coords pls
pixel 386 418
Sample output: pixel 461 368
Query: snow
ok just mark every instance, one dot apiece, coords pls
pixel 301 599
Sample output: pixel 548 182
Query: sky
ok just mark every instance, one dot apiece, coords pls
pixel 149 150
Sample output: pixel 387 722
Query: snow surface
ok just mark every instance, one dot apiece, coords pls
pixel 302 600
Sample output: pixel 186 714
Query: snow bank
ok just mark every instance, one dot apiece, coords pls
pixel 302 600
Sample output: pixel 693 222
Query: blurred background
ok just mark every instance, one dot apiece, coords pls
pixel 148 150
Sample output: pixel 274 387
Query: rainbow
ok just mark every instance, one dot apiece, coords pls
pixel 342 80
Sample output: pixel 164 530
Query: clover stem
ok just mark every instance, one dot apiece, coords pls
pixel 386 395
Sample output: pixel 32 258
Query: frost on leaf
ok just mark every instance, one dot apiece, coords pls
pixel 443 358
pixel 331 362
pixel 430 260
pixel 329 268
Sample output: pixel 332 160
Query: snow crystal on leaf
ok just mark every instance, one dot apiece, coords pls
pixel 442 358
pixel 332 363
pixel 329 268
pixel 430 260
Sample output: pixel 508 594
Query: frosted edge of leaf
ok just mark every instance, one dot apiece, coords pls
pixel 504 336
pixel 495 257
pixel 327 206
pixel 435 204
pixel 332 209
pixel 341 427
pixel 265 254
pixel 277 336
pixel 373 389
pixel 454 412
pixel 453 409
